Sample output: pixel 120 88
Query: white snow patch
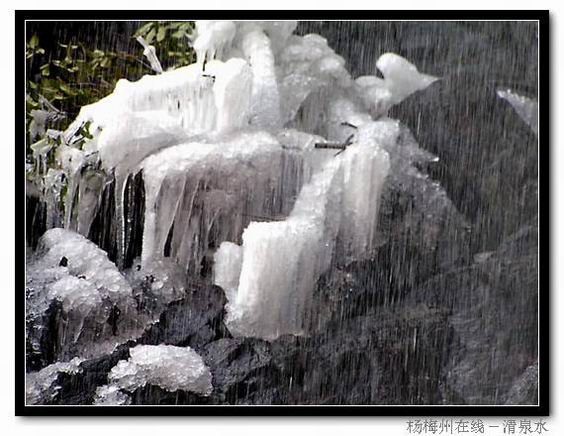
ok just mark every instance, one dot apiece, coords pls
pixel 169 367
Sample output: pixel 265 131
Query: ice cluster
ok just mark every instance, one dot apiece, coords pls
pixel 111 395
pixel 169 367
pixel 265 157
pixel 96 301
pixel 41 386
pixel 100 306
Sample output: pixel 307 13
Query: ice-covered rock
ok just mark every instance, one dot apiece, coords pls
pixel 212 38
pixel 41 387
pixel 236 153
pixel 228 260
pixel 169 367
pixel 401 79
pixel 83 258
pixel 111 395
pixel 156 284
pixel 527 108
pixel 96 301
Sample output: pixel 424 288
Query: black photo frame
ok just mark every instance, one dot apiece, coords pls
pixel 542 409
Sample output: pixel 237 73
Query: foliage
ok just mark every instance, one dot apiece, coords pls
pixel 76 74
pixel 171 40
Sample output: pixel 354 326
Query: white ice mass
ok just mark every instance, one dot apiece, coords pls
pixel 265 156
pixel 169 367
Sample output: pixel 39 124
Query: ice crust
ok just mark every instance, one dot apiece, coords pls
pixel 41 387
pixel 525 107
pixel 169 367
pixel 232 175
pixel 70 269
pixel 111 395
pixel 83 259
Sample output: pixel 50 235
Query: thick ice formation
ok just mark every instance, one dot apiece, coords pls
pixel 206 193
pixel 265 148
pixel 171 368
pixel 228 260
pixel 280 262
pixel 401 79
pixel 526 108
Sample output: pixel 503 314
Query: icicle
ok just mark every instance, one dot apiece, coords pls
pixel 211 38
pixel 265 106
pixel 151 55
pixel 120 182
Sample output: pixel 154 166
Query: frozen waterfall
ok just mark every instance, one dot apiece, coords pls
pixel 265 157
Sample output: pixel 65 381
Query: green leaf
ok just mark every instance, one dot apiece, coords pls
pixel 144 29
pixel 150 36
pixel 105 63
pixel 179 34
pixel 161 33
pixel 65 89
pixel 44 70
pixel 34 41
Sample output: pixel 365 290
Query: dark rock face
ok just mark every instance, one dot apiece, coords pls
pixel 494 318
pixel 42 337
pixel 35 210
pixel 525 388
pixel 80 388
pixel 194 321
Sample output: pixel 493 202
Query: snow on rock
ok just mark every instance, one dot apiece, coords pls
pixel 84 258
pixel 40 386
pixel 111 395
pixel 169 367
pixel 526 108
pixel 98 310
